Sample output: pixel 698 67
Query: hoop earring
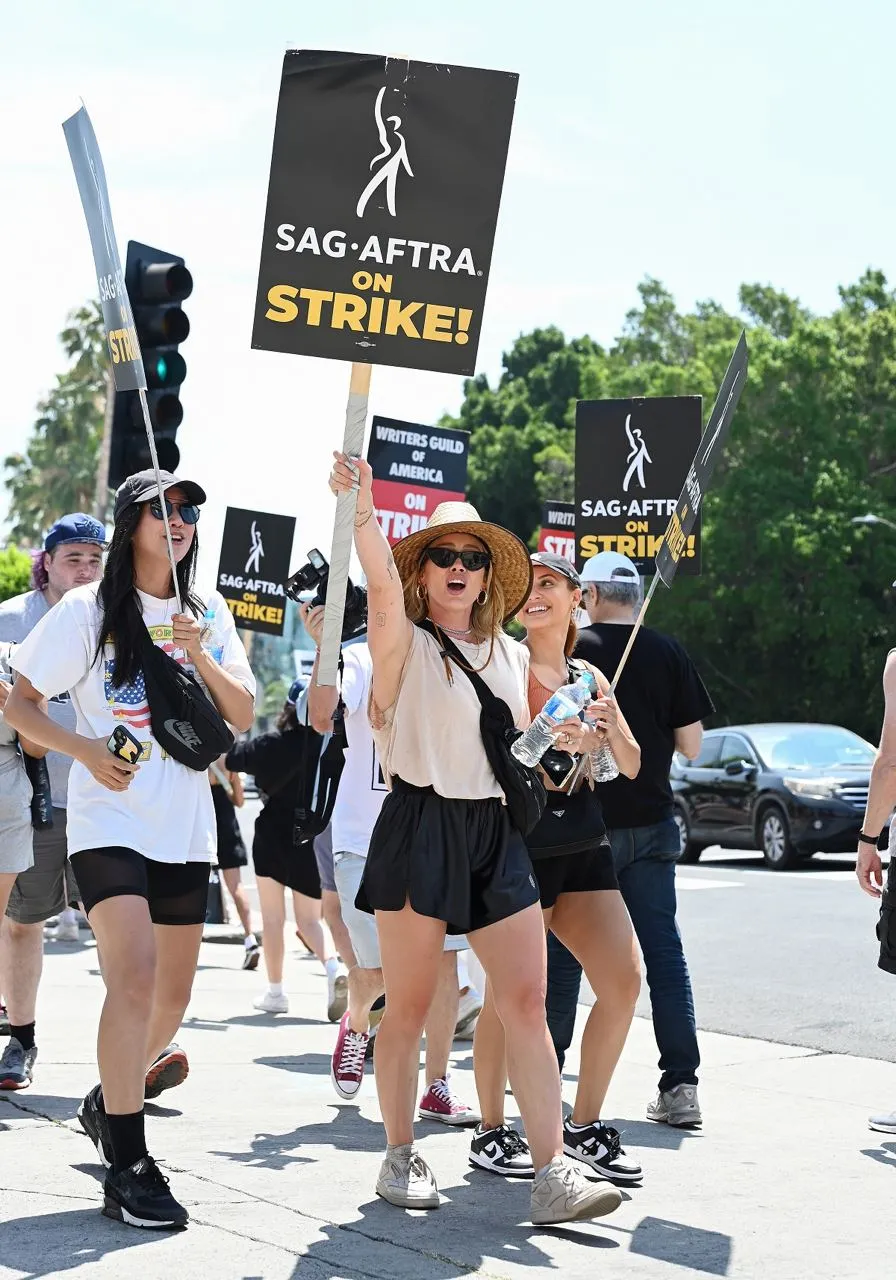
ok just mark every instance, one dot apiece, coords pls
pixel 421 591
pixel 482 598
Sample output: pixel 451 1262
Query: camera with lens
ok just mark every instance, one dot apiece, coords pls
pixel 313 577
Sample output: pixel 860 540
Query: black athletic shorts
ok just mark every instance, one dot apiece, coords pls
pixel 231 850
pixel 460 861
pixel 295 867
pixel 177 892
pixel 575 873
pixel 886 925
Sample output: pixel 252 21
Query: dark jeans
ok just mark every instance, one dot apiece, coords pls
pixel 645 864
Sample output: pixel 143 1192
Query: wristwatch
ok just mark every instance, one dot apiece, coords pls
pixel 863 839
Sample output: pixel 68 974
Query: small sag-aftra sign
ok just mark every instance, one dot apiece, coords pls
pixel 385 185
pixel 254 566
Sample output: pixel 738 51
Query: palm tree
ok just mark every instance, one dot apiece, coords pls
pixel 57 471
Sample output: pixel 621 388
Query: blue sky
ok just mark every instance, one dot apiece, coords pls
pixel 702 143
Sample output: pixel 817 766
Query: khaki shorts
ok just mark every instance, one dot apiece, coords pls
pixel 49 886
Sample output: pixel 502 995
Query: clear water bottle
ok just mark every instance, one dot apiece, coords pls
pixel 603 763
pixel 208 632
pixel 565 704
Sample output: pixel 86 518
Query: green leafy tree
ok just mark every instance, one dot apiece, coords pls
pixel 793 612
pixel 57 471
pixel 15 573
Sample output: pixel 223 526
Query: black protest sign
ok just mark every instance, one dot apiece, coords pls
pixel 414 469
pixel 118 319
pixel 687 510
pixel 558 530
pixel 254 566
pixel 631 458
pixel 385 185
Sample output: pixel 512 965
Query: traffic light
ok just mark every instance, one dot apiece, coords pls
pixel 157 283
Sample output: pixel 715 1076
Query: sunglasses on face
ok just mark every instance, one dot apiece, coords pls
pixel 188 513
pixel 446 557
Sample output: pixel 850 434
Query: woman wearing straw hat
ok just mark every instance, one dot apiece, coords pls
pixel 444 855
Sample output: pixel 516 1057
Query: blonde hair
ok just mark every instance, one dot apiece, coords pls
pixel 486 620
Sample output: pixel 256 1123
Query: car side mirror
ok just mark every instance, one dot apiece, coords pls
pixel 736 767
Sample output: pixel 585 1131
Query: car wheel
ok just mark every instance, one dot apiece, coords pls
pixel 688 851
pixel 774 839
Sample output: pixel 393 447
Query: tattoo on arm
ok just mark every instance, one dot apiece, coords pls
pixel 390 565
pixel 380 619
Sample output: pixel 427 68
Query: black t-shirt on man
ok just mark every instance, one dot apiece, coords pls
pixel 659 691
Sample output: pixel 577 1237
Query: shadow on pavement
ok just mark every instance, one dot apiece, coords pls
pixel 647 1133
pixel 884 1154
pixel 50 1244
pixel 683 1246
pixel 487 1229
pixel 250 1020
pixel 49 1106
pixel 308 1064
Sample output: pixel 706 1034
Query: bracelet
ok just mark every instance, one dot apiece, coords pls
pixel 359 524
pixel 863 839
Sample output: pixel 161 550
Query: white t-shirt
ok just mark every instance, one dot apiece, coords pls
pixel 362 788
pixel 167 812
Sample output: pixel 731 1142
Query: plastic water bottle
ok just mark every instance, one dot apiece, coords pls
pixel 208 628
pixel 565 704
pixel 603 763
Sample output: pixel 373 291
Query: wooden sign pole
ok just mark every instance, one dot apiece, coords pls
pixel 343 529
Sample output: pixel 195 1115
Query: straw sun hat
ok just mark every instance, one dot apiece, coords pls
pixel 510 559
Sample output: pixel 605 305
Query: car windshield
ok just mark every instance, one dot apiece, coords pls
pixel 819 746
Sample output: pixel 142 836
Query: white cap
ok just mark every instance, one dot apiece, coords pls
pixel 609 566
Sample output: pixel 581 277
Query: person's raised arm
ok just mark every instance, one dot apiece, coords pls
pixel 389 632
pixel 882 792
pixel 322 698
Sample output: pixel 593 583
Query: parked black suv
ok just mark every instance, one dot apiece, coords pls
pixel 790 790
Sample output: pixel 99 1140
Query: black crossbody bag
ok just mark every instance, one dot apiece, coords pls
pixel 523 790
pixel 320 780
pixel 185 722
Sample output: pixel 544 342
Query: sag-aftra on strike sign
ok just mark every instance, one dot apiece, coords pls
pixel 385 185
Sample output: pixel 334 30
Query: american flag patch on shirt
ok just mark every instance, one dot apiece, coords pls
pixel 128 701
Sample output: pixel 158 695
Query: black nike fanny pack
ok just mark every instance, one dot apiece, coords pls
pixel 185 722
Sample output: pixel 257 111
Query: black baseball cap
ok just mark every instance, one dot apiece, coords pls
pixel 557 564
pixel 143 487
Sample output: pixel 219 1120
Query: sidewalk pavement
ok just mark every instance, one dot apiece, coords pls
pixel 786 1181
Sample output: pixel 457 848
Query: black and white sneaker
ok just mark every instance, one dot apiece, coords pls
pixel 94 1123
pixel 503 1151
pixel 139 1197
pixel 600 1147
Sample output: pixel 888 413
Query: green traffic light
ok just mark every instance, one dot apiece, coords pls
pixel 161 370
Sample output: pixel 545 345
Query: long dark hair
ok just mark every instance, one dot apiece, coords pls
pixel 122 616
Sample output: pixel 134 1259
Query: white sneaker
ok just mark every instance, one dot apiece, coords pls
pixel 271 1003
pixel 562 1193
pixel 883 1123
pixel 406 1180
pixel 469 1008
pixel 337 993
pixel 679 1107
pixel 65 931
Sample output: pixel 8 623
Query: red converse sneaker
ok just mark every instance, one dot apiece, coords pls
pixel 347 1068
pixel 440 1102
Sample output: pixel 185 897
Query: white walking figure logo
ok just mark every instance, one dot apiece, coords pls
pixel 253 564
pixel 394 156
pixel 637 455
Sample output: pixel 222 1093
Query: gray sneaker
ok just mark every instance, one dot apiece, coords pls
pixel 678 1106
pixel 17 1065
pixel 562 1193
pixel 883 1123
pixel 406 1180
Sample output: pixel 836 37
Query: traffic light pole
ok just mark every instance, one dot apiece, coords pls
pixel 101 493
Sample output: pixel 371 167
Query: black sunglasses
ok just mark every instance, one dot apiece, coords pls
pixel 445 557
pixel 187 512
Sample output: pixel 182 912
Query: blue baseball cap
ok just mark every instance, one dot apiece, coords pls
pixel 76 527
pixel 296 689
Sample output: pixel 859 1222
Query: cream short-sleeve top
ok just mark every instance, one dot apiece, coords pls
pixel 430 736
